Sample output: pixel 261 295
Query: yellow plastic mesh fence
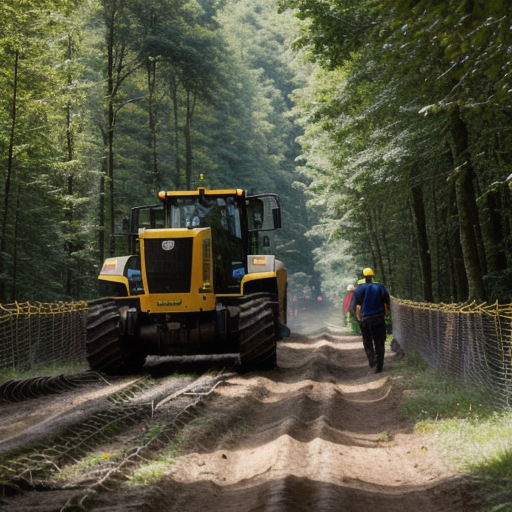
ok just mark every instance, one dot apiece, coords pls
pixel 472 342
pixel 33 334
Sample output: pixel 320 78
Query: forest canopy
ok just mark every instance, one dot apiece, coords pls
pixel 384 126
pixel 414 174
pixel 105 102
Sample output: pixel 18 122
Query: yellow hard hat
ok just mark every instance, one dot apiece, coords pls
pixel 367 272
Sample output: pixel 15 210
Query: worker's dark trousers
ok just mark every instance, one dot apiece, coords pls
pixel 374 339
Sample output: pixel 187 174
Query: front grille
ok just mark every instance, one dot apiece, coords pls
pixel 168 264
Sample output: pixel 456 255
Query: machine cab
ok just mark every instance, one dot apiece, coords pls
pixel 240 226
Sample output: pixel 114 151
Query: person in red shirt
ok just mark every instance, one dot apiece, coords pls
pixel 348 309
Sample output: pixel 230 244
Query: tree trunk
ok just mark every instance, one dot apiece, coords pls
pixel 425 259
pixel 493 230
pixel 174 97
pixel 455 260
pixel 110 139
pixel 70 247
pixel 436 243
pixel 107 181
pixel 467 208
pixel 14 290
pixel 101 219
pixel 188 139
pixel 413 249
pixel 507 224
pixel 151 73
pixel 9 175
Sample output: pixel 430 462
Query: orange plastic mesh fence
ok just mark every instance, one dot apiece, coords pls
pixel 472 342
pixel 33 334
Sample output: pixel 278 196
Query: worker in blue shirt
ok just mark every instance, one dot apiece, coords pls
pixel 372 306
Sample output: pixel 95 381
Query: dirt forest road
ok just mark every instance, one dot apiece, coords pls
pixel 320 433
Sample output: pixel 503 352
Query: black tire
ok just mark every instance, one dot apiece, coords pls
pixel 107 350
pixel 258 325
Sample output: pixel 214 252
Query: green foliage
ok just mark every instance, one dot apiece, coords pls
pixel 193 86
pixel 379 123
pixel 341 27
pixel 394 142
pixel 38 113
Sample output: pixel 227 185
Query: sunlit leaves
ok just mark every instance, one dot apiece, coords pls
pixel 387 111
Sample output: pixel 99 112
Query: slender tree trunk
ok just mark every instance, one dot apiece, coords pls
pixel 151 73
pixel 507 224
pixel 467 208
pixel 188 139
pixel 425 259
pixel 117 71
pixel 9 175
pixel 176 142
pixel 436 243
pixel 109 11
pixel 502 157
pixel 479 232
pixel 70 246
pixel 107 180
pixel 14 290
pixel 101 219
pixel 492 229
pixel 455 260
pixel 413 256
pixel 110 152
pixel 454 266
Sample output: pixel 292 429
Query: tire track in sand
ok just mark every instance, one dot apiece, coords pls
pixel 308 436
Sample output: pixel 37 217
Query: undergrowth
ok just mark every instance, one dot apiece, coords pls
pixel 46 369
pixel 472 429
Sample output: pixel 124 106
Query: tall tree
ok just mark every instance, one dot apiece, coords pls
pixel 104 101
pixel 28 82
pixel 418 80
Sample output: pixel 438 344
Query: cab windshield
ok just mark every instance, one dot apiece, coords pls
pixel 224 217
pixel 195 212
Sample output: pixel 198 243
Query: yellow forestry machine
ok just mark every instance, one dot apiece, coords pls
pixel 199 279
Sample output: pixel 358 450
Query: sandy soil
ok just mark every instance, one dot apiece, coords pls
pixel 320 433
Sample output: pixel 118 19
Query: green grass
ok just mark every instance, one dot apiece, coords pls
pixel 153 471
pixel 49 369
pixel 472 430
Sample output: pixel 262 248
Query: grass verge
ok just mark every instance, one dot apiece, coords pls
pixel 43 369
pixel 473 431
